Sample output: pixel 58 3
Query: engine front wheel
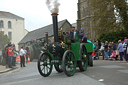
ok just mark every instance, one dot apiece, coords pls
pixel 44 64
pixel 69 63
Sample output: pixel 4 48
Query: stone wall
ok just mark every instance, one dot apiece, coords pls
pixel 85 18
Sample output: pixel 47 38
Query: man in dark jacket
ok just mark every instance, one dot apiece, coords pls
pixel 106 50
pixel 113 46
pixel 71 36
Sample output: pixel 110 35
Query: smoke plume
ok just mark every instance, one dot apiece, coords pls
pixel 53 5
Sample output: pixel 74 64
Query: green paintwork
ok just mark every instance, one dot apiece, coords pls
pixel 89 47
pixel 75 47
pixel 77 39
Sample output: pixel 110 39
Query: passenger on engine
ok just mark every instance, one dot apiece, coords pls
pixel 71 36
pixel 82 35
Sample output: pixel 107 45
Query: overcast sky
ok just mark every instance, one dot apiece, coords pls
pixel 36 13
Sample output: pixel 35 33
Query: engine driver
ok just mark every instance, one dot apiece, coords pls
pixel 71 36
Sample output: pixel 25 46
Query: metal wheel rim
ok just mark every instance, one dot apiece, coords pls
pixel 83 52
pixel 45 64
pixel 70 58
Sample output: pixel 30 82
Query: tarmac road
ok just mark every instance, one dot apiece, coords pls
pixel 103 73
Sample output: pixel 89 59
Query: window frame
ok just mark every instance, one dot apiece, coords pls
pixel 9 24
pixel 10 35
pixel 1 24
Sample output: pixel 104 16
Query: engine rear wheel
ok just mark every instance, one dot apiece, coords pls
pixel 44 64
pixel 90 61
pixel 83 63
pixel 69 63
pixel 58 68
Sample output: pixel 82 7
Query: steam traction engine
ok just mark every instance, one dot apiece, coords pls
pixel 64 55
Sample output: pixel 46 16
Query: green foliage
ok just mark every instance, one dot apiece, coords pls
pixel 113 36
pixel 121 7
pixel 105 17
pixel 3 40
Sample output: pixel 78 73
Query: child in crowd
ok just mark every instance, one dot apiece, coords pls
pixel 114 55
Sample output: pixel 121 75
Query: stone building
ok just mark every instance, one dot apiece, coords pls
pixel 39 34
pixel 12 26
pixel 88 21
pixel 84 18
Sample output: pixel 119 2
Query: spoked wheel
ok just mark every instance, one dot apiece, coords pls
pixel 69 63
pixel 44 64
pixel 58 68
pixel 84 61
pixel 90 61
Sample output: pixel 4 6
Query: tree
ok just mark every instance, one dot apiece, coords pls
pixel 106 13
pixel 3 40
pixel 121 7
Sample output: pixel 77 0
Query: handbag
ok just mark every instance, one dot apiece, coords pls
pixel 127 50
pixel 117 52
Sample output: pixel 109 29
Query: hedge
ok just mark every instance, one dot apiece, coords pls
pixel 113 36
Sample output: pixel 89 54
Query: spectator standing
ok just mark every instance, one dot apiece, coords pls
pixel 125 50
pixel 106 50
pixel 113 46
pixel 125 40
pixel 121 51
pixel 5 56
pixel 10 55
pixel 14 57
pixel 99 44
pixel 27 54
pixel 102 49
pixel 22 58
pixel 110 49
pixel 0 56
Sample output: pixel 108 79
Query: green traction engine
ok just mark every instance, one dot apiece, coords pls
pixel 64 56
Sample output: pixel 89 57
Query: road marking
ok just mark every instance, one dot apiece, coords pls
pixel 101 80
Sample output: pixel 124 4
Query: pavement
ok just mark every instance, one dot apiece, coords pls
pixel 3 69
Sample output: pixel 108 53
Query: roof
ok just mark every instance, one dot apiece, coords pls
pixel 40 33
pixel 4 14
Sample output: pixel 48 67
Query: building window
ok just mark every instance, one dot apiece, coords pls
pixel 10 35
pixel 9 24
pixel 1 24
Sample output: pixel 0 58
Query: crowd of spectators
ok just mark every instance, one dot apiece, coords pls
pixel 112 50
pixel 8 56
